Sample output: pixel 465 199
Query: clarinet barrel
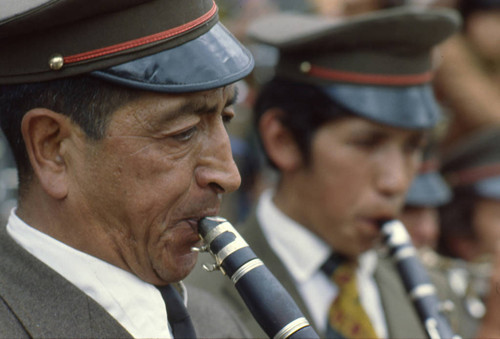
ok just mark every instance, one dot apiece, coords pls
pixel 268 301
pixel 416 280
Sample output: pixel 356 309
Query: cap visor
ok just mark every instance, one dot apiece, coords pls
pixel 212 60
pixel 488 188
pixel 428 190
pixel 412 107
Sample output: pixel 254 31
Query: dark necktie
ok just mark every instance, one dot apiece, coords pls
pixel 347 317
pixel 178 317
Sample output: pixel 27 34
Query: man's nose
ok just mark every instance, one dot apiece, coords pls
pixel 396 172
pixel 217 168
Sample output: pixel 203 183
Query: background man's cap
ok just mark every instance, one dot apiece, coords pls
pixel 428 189
pixel 377 65
pixel 475 163
pixel 159 45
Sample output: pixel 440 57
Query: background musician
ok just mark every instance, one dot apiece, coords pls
pixel 344 123
pixel 427 193
pixel 470 220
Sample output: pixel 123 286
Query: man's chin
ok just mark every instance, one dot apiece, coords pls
pixel 183 267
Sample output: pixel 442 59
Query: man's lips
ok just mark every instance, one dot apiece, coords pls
pixel 371 226
pixel 208 207
pixel 188 231
pixel 193 222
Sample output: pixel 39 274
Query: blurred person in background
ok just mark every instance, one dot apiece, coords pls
pixel 467 81
pixel 470 221
pixel 344 123
pixel 428 191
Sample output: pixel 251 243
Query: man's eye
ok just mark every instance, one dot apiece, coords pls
pixel 227 118
pixel 185 135
pixel 366 142
pixel 417 145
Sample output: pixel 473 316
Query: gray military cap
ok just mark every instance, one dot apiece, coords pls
pixel 474 163
pixel 428 189
pixel 159 45
pixel 377 65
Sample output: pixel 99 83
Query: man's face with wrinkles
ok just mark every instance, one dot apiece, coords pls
pixel 163 165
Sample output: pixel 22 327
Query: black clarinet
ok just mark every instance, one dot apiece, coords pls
pixel 268 301
pixel 416 280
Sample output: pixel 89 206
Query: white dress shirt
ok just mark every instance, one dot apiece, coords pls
pixel 303 254
pixel 135 304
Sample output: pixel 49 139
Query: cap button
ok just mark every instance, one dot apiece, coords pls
pixel 305 67
pixel 56 62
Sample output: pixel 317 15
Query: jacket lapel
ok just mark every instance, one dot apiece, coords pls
pixel 400 315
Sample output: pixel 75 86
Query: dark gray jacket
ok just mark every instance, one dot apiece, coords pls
pixel 37 302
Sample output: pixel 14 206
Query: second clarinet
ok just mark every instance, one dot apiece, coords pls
pixel 416 280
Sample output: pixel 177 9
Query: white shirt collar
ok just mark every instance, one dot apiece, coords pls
pixel 301 251
pixel 135 304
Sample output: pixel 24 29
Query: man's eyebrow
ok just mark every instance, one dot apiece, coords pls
pixel 199 106
pixel 192 106
pixel 206 109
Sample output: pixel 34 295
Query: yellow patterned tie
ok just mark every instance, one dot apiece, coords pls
pixel 347 318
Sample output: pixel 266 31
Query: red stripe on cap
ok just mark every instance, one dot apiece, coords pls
pixel 144 40
pixel 429 166
pixel 372 79
pixel 469 176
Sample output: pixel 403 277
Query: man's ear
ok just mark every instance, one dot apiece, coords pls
pixel 278 142
pixel 43 133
